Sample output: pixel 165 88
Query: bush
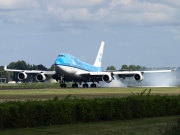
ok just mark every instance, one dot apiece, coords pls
pixel 40 113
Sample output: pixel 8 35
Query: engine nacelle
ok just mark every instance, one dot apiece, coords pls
pixel 107 78
pixel 40 77
pixel 138 77
pixel 22 76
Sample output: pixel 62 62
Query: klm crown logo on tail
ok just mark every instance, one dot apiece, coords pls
pixel 100 57
pixel 98 60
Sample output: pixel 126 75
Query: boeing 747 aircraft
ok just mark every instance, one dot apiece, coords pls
pixel 69 68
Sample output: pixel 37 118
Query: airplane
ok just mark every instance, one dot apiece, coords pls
pixel 68 68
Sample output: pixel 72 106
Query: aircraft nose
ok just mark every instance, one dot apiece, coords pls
pixel 58 61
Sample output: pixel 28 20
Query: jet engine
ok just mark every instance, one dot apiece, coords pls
pixel 138 77
pixel 107 78
pixel 40 77
pixel 22 76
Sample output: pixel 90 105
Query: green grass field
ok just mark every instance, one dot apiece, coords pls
pixel 50 93
pixel 146 126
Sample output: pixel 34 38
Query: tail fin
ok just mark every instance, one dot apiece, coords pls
pixel 97 62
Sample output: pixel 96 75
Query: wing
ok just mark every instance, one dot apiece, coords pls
pixel 107 76
pixel 117 72
pixel 138 75
pixel 142 72
pixel 40 75
pixel 30 71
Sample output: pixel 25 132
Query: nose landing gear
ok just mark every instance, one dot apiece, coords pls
pixel 62 82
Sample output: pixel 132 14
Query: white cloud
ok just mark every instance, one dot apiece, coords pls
pixel 140 12
pixel 174 3
pixel 75 3
pixel 137 12
pixel 78 14
pixel 76 10
pixel 17 4
pixel 18 11
pixel 117 11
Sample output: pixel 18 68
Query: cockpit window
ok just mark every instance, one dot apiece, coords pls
pixel 61 56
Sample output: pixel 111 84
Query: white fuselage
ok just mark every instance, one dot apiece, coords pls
pixel 69 72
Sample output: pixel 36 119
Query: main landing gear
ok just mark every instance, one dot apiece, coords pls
pixel 93 85
pixel 75 85
pixel 85 85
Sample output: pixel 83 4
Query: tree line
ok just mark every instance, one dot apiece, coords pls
pixel 126 67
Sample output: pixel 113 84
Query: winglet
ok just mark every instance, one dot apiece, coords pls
pixel 98 60
pixel 5 68
pixel 175 69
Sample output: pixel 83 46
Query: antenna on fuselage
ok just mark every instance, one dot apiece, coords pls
pixel 98 60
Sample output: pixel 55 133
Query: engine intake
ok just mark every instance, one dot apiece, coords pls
pixel 40 77
pixel 22 76
pixel 107 78
pixel 138 77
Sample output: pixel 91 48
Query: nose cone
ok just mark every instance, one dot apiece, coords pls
pixel 58 61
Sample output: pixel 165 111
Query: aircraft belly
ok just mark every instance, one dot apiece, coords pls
pixel 69 73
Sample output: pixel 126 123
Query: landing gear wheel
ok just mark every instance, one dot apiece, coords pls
pixel 85 85
pixel 93 85
pixel 74 85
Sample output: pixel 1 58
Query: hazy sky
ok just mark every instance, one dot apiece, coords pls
pixel 139 32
